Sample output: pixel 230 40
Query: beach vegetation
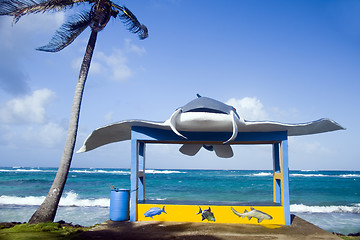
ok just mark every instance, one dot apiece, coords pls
pixel 49 231
pixel 350 237
pixel 96 17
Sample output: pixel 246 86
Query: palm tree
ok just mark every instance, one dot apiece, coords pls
pixel 96 18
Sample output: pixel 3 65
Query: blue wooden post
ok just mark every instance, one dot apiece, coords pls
pixel 134 180
pixel 276 173
pixel 285 181
pixel 141 171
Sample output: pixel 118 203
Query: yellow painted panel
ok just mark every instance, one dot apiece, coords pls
pixel 222 214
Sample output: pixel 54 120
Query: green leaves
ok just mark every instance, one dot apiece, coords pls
pixel 67 33
pixel 19 8
pixel 96 18
pixel 133 25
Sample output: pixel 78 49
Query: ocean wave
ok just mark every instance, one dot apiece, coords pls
pixel 309 175
pixel 261 174
pixel 350 175
pixel 71 199
pixel 157 199
pixel 153 171
pixel 100 171
pixel 324 175
pixel 325 209
pixel 71 171
pixel 25 170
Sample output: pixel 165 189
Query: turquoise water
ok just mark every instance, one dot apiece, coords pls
pixel 329 199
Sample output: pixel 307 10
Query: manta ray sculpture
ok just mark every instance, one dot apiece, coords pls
pixel 204 115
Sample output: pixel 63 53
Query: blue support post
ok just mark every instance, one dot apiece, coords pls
pixel 134 180
pixel 276 172
pixel 141 171
pixel 285 181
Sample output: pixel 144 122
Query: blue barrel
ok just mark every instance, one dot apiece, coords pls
pixel 119 205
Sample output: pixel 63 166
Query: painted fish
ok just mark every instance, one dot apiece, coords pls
pixel 253 214
pixel 206 214
pixel 154 211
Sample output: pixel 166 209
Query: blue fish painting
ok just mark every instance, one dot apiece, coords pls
pixel 154 211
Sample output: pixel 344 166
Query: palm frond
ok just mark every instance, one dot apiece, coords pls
pixel 133 25
pixel 19 8
pixel 67 33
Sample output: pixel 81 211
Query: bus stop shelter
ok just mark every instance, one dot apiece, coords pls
pixel 278 210
pixel 208 122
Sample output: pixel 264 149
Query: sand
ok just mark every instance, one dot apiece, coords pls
pixel 299 230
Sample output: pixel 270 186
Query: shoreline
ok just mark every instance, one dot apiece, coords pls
pixel 299 229
pixel 314 195
pixel 342 223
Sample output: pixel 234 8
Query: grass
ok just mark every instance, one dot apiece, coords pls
pixel 55 231
pixel 350 237
pixel 49 231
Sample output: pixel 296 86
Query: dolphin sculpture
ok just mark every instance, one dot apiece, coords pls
pixel 204 114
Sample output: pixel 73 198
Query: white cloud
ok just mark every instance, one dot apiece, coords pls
pixel 109 117
pixel 250 108
pixel 48 135
pixel 18 35
pixel 48 22
pixel 5 134
pixel 18 41
pixel 303 146
pixel 27 109
pixel 134 48
pixel 113 66
pixel 121 72
pixel 116 64
pixel 24 122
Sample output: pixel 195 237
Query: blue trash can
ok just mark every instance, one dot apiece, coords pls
pixel 119 205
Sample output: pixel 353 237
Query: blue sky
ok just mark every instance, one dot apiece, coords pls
pixel 287 61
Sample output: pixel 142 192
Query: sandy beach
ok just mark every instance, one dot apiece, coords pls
pixel 299 230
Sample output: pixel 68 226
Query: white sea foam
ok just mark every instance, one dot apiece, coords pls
pixel 350 175
pixel 71 199
pixel 308 175
pixel 261 174
pixel 153 171
pixel 324 175
pixel 157 199
pixel 325 209
pixel 100 171
pixel 14 200
pixel 25 170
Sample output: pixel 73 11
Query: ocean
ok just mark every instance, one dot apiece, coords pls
pixel 328 199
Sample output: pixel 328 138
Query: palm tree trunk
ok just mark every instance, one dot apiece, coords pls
pixel 47 210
